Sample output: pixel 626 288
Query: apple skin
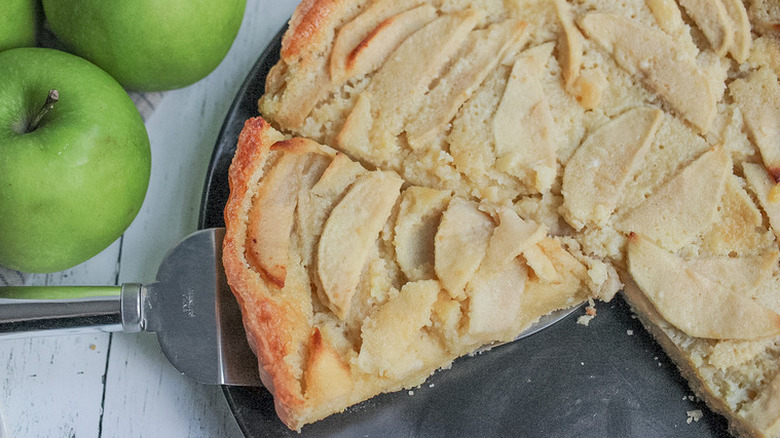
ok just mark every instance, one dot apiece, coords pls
pixel 148 45
pixel 17 23
pixel 71 187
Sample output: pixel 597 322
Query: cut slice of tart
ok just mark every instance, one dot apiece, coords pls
pixel 352 282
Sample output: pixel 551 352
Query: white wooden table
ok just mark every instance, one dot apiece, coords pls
pixel 121 385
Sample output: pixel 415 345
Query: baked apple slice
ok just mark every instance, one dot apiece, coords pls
pixel 758 96
pixel 415 228
pixel 712 19
pixel 494 301
pixel 364 43
pixel 513 236
pixel 271 218
pixel 691 302
pixel 597 173
pixel 740 274
pixel 350 231
pixel 764 186
pixel 740 47
pixel 684 206
pixel 570 44
pixel 461 242
pixel 523 126
pixel 399 86
pixel 667 15
pixel 486 48
pixel 655 58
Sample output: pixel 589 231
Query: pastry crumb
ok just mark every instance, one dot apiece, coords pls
pixel 590 313
pixel 694 416
pixel 584 320
pixel 590 310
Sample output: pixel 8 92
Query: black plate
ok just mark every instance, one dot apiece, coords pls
pixel 609 379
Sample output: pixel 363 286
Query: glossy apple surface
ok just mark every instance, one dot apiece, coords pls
pixel 73 184
pixel 17 23
pixel 148 45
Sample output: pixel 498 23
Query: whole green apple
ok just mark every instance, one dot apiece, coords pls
pixel 17 23
pixel 148 45
pixel 73 171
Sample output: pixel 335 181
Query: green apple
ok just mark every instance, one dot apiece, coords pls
pixel 148 45
pixel 17 23
pixel 73 172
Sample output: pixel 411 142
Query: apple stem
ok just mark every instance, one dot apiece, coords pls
pixel 51 99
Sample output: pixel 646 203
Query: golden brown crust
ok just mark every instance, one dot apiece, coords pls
pixel 310 33
pixel 267 321
pixel 653 322
pixel 308 27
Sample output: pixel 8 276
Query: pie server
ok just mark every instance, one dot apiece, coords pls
pixel 190 307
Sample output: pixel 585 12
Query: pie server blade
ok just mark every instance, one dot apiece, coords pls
pixel 190 307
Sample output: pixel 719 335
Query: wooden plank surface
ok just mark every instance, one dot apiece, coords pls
pixel 53 386
pixel 121 385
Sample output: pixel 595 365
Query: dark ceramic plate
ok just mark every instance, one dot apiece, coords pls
pixel 609 379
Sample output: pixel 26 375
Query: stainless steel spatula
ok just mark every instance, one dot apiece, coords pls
pixel 190 307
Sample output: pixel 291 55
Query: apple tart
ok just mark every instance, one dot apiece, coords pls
pixel 432 176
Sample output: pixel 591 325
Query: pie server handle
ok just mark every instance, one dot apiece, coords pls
pixel 48 310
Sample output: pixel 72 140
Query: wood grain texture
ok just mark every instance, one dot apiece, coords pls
pixel 53 386
pixel 121 385
pixel 146 396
